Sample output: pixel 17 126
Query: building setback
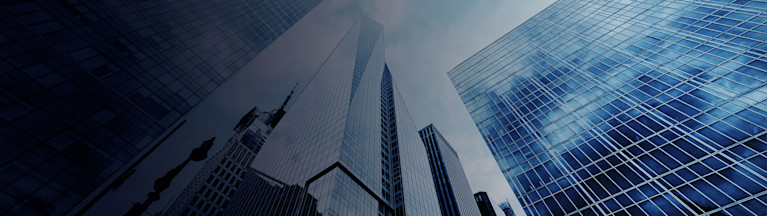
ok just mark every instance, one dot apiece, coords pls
pixel 348 142
pixel 628 107
pixel 90 87
pixel 261 194
pixel 450 181
pixel 484 204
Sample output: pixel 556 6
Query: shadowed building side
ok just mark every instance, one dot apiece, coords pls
pixel 212 189
pixel 450 180
pixel 92 87
pixel 484 204
pixel 263 195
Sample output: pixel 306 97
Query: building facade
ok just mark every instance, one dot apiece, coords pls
pixel 213 187
pixel 261 194
pixel 89 87
pixel 484 204
pixel 506 208
pixel 348 139
pixel 451 185
pixel 628 107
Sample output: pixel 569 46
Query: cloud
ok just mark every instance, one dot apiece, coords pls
pixel 392 14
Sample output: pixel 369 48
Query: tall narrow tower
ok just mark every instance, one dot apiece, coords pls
pixel 281 111
pixel 450 181
pixel 348 141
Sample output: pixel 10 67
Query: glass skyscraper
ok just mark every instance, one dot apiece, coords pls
pixel 213 187
pixel 89 87
pixel 260 194
pixel 628 107
pixel 452 187
pixel 348 141
pixel 506 208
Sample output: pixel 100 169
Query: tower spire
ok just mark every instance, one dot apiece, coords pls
pixel 281 112
pixel 288 98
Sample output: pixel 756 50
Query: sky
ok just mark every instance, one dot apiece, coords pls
pixel 424 39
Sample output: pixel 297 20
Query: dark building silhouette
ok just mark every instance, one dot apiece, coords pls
pixel 277 115
pixel 484 204
pixel 261 194
pixel 87 86
pixel 212 189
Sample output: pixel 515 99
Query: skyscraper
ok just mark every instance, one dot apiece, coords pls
pixel 260 194
pixel 213 187
pixel 628 107
pixel 452 187
pixel 348 139
pixel 90 87
pixel 484 204
pixel 506 208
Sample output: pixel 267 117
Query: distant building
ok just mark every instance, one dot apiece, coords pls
pixel 348 146
pixel 484 204
pixel 506 208
pixel 261 194
pixel 214 186
pixel 450 181
pixel 211 190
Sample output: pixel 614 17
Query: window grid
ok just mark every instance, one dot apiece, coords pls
pixel 656 80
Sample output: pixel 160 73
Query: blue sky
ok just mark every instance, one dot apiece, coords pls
pixel 424 39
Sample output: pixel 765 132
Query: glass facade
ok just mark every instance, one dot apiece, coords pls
pixel 261 194
pixel 506 208
pixel 213 187
pixel 348 139
pixel 628 107
pixel 87 86
pixel 417 185
pixel 450 181
pixel 391 171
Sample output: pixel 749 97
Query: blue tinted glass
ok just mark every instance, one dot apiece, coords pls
pixel 683 88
